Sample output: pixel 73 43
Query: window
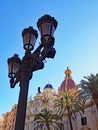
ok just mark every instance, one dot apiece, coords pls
pixel 37 102
pixel 83 121
pixel 36 109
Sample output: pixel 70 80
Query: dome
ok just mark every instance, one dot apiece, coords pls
pixel 68 82
pixel 48 86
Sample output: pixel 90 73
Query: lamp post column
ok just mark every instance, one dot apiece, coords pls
pixel 25 76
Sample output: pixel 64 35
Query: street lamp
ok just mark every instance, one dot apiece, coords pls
pixel 22 70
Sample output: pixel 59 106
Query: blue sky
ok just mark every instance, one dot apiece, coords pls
pixel 76 42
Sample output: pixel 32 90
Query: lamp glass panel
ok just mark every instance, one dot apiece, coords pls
pixel 10 67
pixel 13 68
pixel 26 38
pixel 32 40
pixel 29 41
pixel 52 31
pixel 16 67
pixel 46 28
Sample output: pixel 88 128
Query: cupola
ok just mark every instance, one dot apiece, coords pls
pixel 68 82
pixel 48 86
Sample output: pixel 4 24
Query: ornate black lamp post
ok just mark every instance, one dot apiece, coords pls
pixel 22 70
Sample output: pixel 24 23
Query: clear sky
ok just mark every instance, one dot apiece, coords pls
pixel 76 42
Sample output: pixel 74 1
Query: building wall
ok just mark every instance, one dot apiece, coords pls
pixel 45 99
pixel 36 105
pixel 7 122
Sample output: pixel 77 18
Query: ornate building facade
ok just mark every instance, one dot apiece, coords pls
pixel 46 99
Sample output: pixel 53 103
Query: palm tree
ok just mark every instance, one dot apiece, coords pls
pixel 69 104
pixel 90 85
pixel 48 119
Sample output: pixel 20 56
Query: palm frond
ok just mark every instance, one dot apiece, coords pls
pixel 48 118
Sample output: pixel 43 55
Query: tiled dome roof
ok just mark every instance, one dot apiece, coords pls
pixel 68 82
pixel 48 86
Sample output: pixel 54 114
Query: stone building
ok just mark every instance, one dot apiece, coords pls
pixel 7 122
pixel 46 99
